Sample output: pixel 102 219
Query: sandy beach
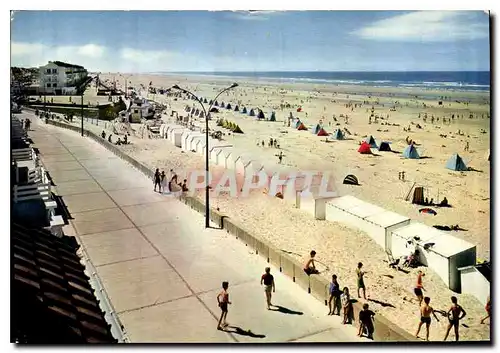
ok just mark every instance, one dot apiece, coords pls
pixel 339 247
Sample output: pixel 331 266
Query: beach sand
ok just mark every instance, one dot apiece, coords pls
pixel 339 247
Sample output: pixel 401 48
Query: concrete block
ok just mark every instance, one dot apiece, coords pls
pixel 288 266
pixel 319 288
pixel 301 278
pixel 275 257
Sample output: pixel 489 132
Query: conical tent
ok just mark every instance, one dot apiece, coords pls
pixel 322 132
pixel 456 163
pixel 228 106
pixel 205 101
pixel 297 123
pixel 252 113
pixel 411 152
pixel 316 129
pixel 261 115
pixel 273 117
pixel 236 109
pixel 216 103
pixel 384 146
pixel 371 141
pixel 364 148
pixel 301 127
pixel 244 111
pixel 338 135
pixel 222 105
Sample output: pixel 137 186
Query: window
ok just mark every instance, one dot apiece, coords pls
pixel 54 85
pixel 48 85
pixel 54 71
pixel 48 71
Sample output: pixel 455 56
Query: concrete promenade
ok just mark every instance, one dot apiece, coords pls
pixel 161 269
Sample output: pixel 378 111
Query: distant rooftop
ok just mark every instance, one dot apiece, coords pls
pixel 63 64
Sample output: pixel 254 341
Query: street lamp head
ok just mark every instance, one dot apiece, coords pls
pixel 234 85
pixel 176 87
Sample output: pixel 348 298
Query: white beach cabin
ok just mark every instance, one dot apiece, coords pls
pixel 171 127
pixel 376 221
pixel 214 155
pixel 185 138
pixel 175 136
pixel 312 204
pixel 252 170
pixel 441 252
pixel 476 280
pixel 192 141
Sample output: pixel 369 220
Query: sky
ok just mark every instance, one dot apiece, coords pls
pixel 205 41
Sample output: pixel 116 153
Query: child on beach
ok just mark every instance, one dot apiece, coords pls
pixel 366 322
pixel 346 305
pixel 455 314
pixel 334 291
pixel 223 302
pixel 425 317
pixel 310 267
pixel 157 180
pixel 360 274
pixel 268 280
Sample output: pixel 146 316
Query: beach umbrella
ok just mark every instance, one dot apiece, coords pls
pixel 428 210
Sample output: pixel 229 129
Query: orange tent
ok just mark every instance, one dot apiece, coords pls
pixel 364 148
pixel 299 109
pixel 322 132
pixel 301 127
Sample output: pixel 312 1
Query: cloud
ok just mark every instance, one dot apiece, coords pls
pixel 145 56
pixel 253 15
pixel 428 26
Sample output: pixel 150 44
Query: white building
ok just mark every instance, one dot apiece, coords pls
pixel 58 77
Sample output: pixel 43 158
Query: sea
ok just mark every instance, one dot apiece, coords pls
pixel 435 80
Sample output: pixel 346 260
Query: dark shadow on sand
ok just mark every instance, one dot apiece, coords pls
pixel 239 331
pixel 62 209
pixel 425 157
pixel 384 304
pixel 284 310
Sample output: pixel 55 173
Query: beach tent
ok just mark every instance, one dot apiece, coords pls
pixel 411 152
pixel 222 105
pixel 351 180
pixel 214 110
pixel 371 141
pixel 456 163
pixel 298 123
pixel 216 103
pixel 228 106
pixel 273 117
pixel 337 135
pixel 316 129
pixel 384 146
pixel 301 127
pixel 205 100
pixel 202 115
pixel 244 110
pixel 236 109
pixel 364 148
pixel 418 195
pixel 261 115
pixel 252 113
pixel 299 109
pixel 322 132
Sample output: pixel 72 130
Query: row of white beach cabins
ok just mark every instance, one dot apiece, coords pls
pixel 453 259
pixel 31 186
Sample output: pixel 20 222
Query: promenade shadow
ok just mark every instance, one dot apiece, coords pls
pixel 62 209
pixel 284 310
pixel 239 331
pixel 384 304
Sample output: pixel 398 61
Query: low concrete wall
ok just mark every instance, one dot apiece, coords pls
pixel 315 285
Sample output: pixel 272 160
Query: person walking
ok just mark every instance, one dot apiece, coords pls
pixel 223 302
pixel 488 310
pixel 267 280
pixel 425 317
pixel 455 314
pixel 334 291
pixel 361 280
pixel 157 180
pixel 163 180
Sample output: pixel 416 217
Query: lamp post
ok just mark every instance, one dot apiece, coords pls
pixel 82 113
pixel 207 186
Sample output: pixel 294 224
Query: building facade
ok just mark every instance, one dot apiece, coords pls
pixel 58 77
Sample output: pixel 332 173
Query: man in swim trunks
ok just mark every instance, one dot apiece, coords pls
pixel 310 267
pixel 454 317
pixel 419 287
pixel 268 280
pixel 223 302
pixel 425 317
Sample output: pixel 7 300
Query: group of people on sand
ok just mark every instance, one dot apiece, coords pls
pixel 454 314
pixel 160 180
pixel 340 299
pixel 118 142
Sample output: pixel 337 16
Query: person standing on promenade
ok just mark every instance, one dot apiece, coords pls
pixel 366 322
pixel 267 280
pixel 488 310
pixel 163 180
pixel 360 274
pixel 419 287
pixel 455 314
pixel 346 305
pixel 425 317
pixel 334 291
pixel 157 180
pixel 310 267
pixel 223 302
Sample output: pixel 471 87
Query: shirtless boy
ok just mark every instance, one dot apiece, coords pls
pixel 310 267
pixel 425 317
pixel 455 314
pixel 223 302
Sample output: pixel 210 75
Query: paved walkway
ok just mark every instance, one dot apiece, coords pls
pixel 161 269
